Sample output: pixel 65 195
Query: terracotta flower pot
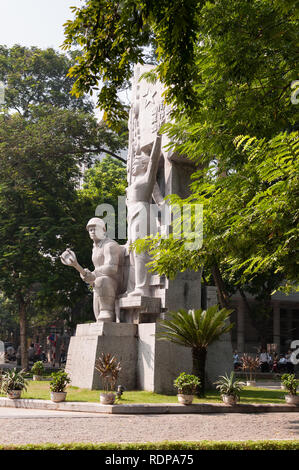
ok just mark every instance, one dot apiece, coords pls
pixel 107 398
pixel 14 394
pixel 292 399
pixel 58 396
pixel 229 400
pixel 185 399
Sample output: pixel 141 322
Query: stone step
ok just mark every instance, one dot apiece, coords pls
pixel 147 408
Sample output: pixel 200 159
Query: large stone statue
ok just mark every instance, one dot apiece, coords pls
pixel 139 197
pixel 140 298
pixel 106 257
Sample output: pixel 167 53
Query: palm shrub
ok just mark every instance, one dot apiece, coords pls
pixel 196 329
pixel 109 369
pixel 250 364
pixel 13 379
pixel 229 385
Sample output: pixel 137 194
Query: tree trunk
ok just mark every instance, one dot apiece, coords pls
pixel 199 356
pixel 222 294
pixel 23 332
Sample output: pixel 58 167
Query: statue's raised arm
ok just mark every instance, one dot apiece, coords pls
pixel 139 197
pixel 151 172
pixel 69 258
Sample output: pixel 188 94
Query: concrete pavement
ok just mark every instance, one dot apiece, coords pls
pixel 27 426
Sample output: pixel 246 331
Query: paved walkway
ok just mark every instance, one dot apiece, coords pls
pixel 23 426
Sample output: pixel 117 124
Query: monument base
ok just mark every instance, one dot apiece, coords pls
pixel 160 362
pixel 147 363
pixel 91 340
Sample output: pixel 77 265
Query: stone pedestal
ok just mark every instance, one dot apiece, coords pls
pixel 2 353
pixel 160 362
pixel 136 309
pixel 147 362
pixel 90 341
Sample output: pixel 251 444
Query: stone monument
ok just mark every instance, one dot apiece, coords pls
pixel 126 315
pixel 2 353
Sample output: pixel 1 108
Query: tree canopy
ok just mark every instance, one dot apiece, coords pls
pixel 44 147
pixel 104 182
pixel 34 76
pixel 113 37
pixel 228 68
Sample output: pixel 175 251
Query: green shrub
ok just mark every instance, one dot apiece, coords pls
pixel 165 445
pixel 186 383
pixel 290 383
pixel 38 368
pixel 59 381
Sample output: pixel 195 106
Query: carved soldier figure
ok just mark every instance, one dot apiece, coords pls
pixel 139 197
pixel 106 257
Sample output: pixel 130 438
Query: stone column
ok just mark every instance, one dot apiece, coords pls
pixel 212 298
pixel 276 325
pixel 240 326
pixel 2 353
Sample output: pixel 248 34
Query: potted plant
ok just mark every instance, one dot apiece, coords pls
pixel 250 365
pixel 230 388
pixel 58 385
pixel 13 382
pixel 109 369
pixel 186 385
pixel 37 370
pixel 283 377
pixel 290 383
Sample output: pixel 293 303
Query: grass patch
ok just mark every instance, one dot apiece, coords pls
pixel 166 445
pixel 40 390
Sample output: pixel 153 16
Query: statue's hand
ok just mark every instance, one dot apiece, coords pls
pixel 88 277
pixel 68 258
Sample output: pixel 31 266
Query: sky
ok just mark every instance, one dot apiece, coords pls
pixel 34 22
